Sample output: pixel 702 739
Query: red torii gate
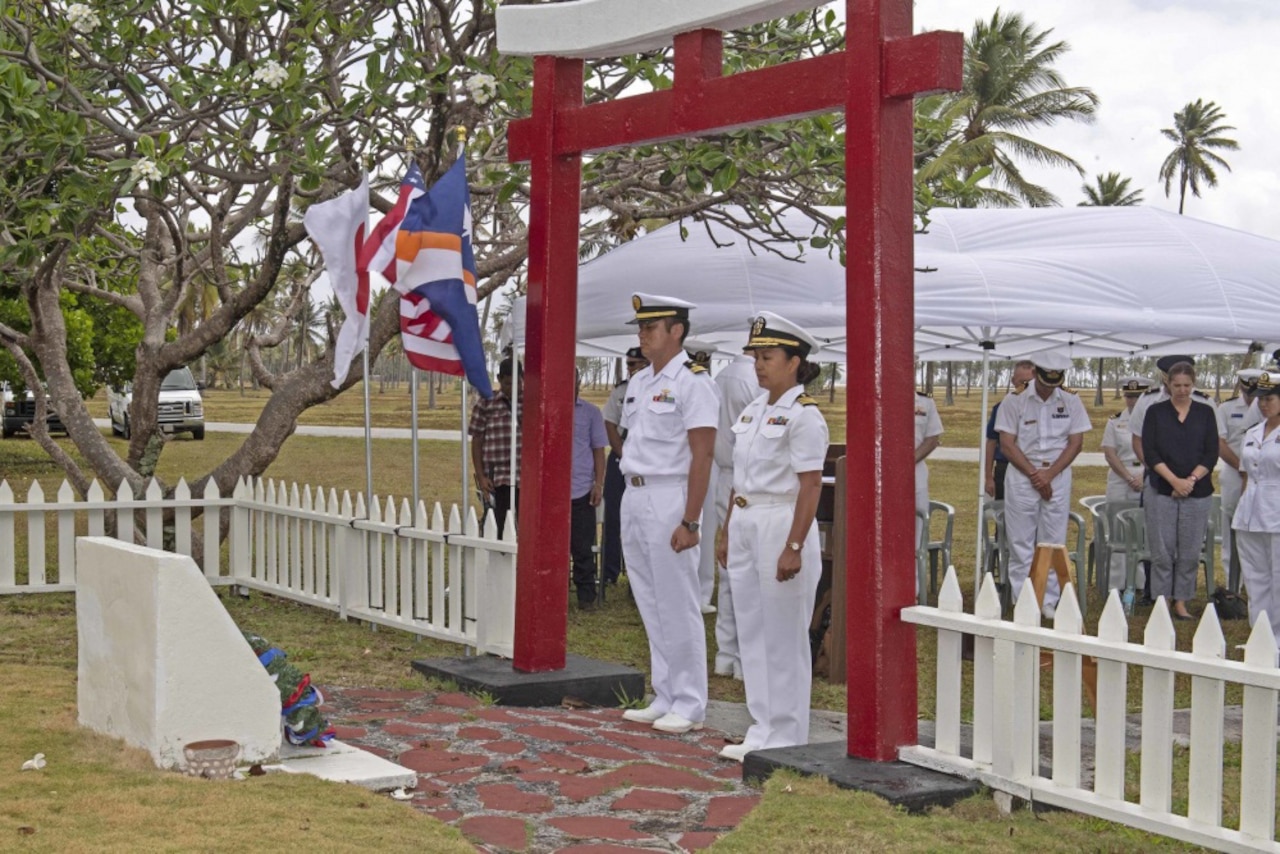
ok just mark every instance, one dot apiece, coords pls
pixel 873 82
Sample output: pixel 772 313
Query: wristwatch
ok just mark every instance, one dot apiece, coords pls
pixel 692 527
pixel 795 547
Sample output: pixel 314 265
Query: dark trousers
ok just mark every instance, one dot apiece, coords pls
pixel 611 550
pixel 582 539
pixel 1001 467
pixel 502 504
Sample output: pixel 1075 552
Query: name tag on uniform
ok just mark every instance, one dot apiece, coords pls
pixel 1237 415
pixel 778 419
pixel 1060 415
pixel 1032 421
pixel 631 400
pixel 921 413
pixel 746 419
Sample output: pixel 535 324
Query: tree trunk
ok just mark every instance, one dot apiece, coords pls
pixel 951 396
pixel 1097 397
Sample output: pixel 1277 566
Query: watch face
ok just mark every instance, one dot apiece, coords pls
pixel 692 526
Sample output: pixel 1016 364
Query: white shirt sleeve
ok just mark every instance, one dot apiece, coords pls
pixel 807 439
pixel 1009 414
pixel 1109 435
pixel 1080 422
pixel 933 422
pixel 702 403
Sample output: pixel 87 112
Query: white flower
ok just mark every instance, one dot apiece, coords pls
pixel 482 88
pixel 82 18
pixel 271 74
pixel 145 168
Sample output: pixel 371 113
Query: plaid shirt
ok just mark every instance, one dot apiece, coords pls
pixel 491 427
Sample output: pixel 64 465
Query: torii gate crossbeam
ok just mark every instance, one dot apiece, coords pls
pixel 872 82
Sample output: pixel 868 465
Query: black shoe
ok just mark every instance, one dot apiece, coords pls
pixel 1146 601
pixel 587 605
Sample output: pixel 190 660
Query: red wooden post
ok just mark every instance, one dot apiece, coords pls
pixel 880 480
pixel 872 81
pixel 542 563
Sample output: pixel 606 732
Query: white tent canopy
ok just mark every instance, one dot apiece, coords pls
pixel 1121 282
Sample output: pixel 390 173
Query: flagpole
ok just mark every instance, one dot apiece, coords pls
pixel 368 438
pixel 413 437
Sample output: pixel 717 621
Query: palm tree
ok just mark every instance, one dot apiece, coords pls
pixel 1010 88
pixel 1109 190
pixel 1197 129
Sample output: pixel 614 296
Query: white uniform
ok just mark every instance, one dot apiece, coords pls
pixel 1041 429
pixel 738 387
pixel 707 559
pixel 773 445
pixel 928 425
pixel 658 413
pixel 1257 524
pixel 1116 436
pixel 1235 417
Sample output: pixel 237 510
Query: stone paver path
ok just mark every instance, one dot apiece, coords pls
pixel 549 779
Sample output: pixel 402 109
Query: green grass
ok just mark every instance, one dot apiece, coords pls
pixel 37 643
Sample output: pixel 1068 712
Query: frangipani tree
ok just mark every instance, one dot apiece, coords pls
pixel 158 154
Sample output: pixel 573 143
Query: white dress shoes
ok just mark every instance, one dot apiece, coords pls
pixel 735 752
pixel 673 723
pixel 647 715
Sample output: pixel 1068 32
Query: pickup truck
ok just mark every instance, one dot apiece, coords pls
pixel 20 410
pixel 180 408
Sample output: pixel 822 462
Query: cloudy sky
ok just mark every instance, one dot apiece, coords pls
pixel 1146 59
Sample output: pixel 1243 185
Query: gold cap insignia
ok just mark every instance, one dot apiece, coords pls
pixel 636 304
pixel 758 326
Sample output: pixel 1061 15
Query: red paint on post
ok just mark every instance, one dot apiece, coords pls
pixel 872 81
pixel 542 562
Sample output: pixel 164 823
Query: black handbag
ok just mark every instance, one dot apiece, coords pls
pixel 1229 606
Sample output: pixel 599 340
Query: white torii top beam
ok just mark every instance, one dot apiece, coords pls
pixel 595 29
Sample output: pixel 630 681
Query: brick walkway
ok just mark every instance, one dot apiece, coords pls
pixel 549 779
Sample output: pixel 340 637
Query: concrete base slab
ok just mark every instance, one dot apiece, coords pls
pixel 343 763
pixel 597 683
pixel 900 784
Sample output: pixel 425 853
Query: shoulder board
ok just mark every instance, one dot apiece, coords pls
pixel 1069 390
pixel 1118 414
pixel 1233 397
pixel 695 367
pixel 806 400
pixel 922 394
pixel 1155 390
pixel 1198 393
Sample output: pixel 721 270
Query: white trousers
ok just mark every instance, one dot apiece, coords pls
pixel 1116 575
pixel 1028 520
pixel 1229 486
pixel 1260 567
pixel 665 586
pixel 773 623
pixel 727 656
pixel 707 557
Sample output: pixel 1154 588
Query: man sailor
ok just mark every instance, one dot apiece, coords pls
pixel 1041 432
pixel 670 415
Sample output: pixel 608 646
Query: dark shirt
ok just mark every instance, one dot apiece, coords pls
pixel 1181 445
pixel 994 436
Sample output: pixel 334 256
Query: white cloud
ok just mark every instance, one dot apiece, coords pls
pixel 1145 59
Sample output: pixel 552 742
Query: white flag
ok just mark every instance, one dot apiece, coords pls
pixel 338 227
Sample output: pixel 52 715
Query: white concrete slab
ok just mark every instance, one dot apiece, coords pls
pixel 344 763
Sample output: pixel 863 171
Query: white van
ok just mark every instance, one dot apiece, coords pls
pixel 180 408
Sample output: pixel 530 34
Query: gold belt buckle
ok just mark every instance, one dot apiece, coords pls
pixel 740 500
pixel 637 480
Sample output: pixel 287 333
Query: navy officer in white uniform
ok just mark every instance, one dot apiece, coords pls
pixel 669 414
pixel 769 540
pixel 1235 416
pixel 1041 432
pixel 1124 471
pixel 1257 518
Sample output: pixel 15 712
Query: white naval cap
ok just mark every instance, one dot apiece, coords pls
pixel 1268 383
pixel 1249 377
pixel 1135 384
pixel 654 306
pixel 774 330
pixel 700 351
pixel 1051 366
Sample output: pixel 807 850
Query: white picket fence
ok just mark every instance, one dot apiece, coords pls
pixel 433 577
pixel 1006 715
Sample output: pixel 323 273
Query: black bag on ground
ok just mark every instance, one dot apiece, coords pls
pixel 1229 606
